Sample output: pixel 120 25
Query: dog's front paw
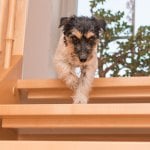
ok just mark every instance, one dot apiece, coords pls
pixel 80 99
pixel 72 82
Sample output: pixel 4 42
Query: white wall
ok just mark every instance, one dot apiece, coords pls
pixel 42 35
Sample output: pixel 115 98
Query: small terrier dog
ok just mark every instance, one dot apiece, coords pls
pixel 77 47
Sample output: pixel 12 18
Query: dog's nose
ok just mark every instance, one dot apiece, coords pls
pixel 83 59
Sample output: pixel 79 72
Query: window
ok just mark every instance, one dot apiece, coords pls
pixel 125 48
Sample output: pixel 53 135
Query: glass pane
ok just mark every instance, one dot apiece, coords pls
pixel 142 15
pixel 127 44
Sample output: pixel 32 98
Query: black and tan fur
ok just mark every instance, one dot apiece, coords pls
pixel 77 47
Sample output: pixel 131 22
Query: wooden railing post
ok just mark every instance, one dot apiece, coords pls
pixel 3 20
pixel 10 33
pixel 3 28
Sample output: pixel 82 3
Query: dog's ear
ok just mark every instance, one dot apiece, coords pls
pixel 63 21
pixel 100 24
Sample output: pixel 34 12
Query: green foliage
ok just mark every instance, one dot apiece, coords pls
pixel 131 53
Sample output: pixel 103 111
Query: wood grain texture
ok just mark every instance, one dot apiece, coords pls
pixel 99 82
pixel 85 137
pixel 20 26
pixel 72 145
pixel 10 33
pixel 8 134
pixel 8 79
pixel 3 29
pixel 73 109
pixel 3 23
pixel 67 116
pixel 134 89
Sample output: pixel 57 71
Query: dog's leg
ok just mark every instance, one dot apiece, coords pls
pixel 83 89
pixel 67 73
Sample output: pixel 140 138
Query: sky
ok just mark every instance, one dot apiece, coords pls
pixel 142 9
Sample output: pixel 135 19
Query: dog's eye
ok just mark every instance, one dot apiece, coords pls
pixel 91 40
pixel 75 39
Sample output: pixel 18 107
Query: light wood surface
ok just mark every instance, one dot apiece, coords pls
pixel 47 145
pixel 20 27
pixel 13 15
pixel 91 116
pixel 3 22
pixel 10 33
pixel 99 82
pixel 73 109
pixel 8 79
pixel 3 28
pixel 133 89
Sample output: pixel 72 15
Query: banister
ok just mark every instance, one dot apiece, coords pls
pixel 3 20
pixel 10 33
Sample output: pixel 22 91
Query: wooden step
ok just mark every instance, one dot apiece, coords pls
pixel 85 137
pixel 69 116
pixel 8 79
pixel 133 89
pixel 47 145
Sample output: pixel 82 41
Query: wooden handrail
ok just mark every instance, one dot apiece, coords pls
pixel 133 89
pixel 12 28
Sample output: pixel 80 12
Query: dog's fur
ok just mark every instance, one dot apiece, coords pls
pixel 78 48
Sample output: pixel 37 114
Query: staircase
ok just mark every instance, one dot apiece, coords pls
pixel 114 119
pixel 39 114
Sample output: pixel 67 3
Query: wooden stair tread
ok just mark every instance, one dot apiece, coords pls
pixel 134 89
pixel 98 82
pixel 74 109
pixel 91 116
pixel 72 145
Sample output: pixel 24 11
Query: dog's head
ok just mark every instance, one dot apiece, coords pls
pixel 82 33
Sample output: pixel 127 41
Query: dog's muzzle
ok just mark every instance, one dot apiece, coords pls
pixel 83 57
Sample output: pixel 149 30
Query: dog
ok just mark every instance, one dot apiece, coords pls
pixel 77 47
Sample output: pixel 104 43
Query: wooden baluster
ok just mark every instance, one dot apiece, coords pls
pixel 10 33
pixel 3 28
pixel 3 20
